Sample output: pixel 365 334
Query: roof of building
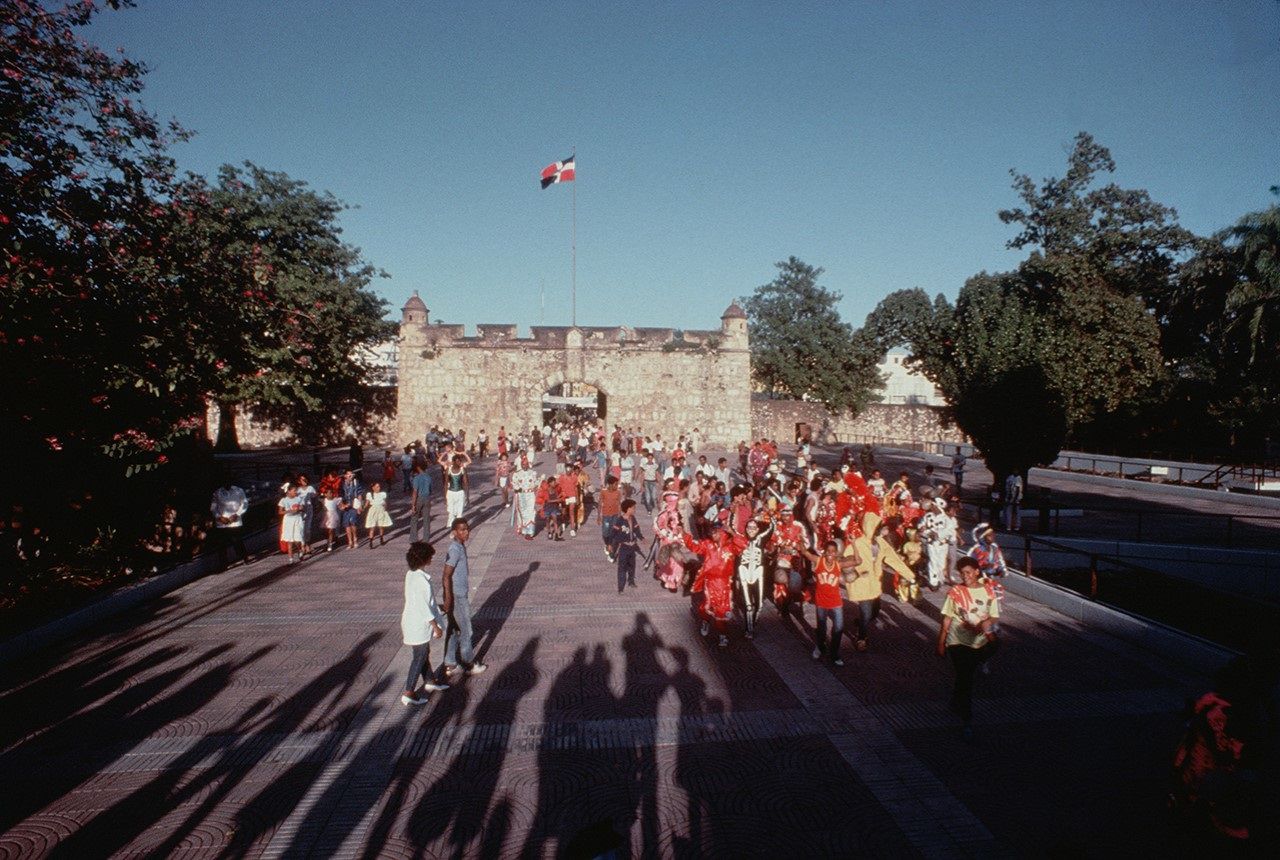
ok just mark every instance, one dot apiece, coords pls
pixel 415 303
pixel 734 311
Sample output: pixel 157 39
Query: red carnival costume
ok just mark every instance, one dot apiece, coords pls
pixel 670 533
pixel 719 556
pixel 789 538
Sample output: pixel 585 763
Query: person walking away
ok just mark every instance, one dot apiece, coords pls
pixel 827 602
pixel 458 655
pixel 228 506
pixel 388 471
pixel 1013 503
pixel 290 508
pixel 420 622
pixel 610 511
pixel 626 538
pixel 376 517
pixel 958 461
pixel 406 469
pixel 482 443
pixel 966 635
pixel 420 502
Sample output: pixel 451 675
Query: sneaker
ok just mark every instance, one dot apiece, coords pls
pixel 433 687
pixel 452 671
pixel 414 699
pixel 706 628
pixel 839 662
pixel 476 668
pixel 573 532
pixel 817 654
pixel 724 641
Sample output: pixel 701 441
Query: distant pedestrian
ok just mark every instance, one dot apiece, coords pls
pixel 420 622
pixel 610 511
pixel 458 654
pixel 420 502
pixel 376 518
pixel 1013 502
pixel 228 506
pixel 958 461
pixel 626 538
pixel 290 508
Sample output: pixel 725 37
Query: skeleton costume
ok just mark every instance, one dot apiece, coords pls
pixel 751 578
pixel 938 532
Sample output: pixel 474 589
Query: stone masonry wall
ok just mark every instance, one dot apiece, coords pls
pixel 651 378
pixel 777 419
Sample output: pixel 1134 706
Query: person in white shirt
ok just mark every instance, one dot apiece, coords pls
pixel 228 507
pixel 420 622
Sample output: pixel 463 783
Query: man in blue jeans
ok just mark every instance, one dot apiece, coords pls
pixel 458 655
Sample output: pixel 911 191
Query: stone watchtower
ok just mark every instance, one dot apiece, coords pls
pixel 415 311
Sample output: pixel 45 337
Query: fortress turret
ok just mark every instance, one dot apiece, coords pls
pixel 414 311
pixel 733 323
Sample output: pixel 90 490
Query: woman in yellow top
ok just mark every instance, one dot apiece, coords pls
pixel 967 634
pixel 871 552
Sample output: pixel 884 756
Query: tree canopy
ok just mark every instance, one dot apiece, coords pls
pixel 131 294
pixel 801 348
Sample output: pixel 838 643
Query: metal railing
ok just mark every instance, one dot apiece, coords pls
pixel 1221 616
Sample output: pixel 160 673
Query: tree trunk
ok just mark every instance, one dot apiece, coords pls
pixel 228 439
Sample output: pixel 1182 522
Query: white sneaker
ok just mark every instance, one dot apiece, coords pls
pixel 432 687
pixel 724 641
pixel 706 628
pixel 817 654
pixel 476 668
pixel 415 699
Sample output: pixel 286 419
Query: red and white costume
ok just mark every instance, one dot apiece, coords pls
pixel 719 556
pixel 670 533
pixel 789 538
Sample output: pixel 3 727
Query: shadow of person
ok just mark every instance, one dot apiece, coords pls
pixel 487 621
pixel 691 690
pixel 645 683
pixel 458 802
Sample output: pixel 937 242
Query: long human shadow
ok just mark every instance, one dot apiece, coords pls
pixel 81 744
pixel 116 826
pixel 458 802
pixel 488 622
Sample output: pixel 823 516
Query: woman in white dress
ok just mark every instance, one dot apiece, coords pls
pixel 375 514
pixel 332 518
pixel 291 522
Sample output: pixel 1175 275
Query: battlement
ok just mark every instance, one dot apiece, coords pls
pixel 498 335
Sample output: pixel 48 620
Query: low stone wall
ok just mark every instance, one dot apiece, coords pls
pixel 777 419
pixel 254 434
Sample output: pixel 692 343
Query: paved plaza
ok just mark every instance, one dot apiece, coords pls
pixel 256 713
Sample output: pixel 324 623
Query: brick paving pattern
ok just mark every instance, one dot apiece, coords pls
pixel 256 713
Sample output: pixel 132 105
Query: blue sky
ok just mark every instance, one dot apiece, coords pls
pixel 713 139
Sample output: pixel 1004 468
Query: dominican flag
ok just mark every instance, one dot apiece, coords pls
pixel 560 171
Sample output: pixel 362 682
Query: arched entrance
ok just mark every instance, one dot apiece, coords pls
pixel 573 401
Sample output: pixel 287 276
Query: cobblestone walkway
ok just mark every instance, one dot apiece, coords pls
pixel 256 713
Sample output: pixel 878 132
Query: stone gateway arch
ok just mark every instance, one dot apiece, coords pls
pixel 659 379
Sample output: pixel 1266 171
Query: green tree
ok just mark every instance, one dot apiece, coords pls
pixel 306 366
pixel 801 348
pixel 1223 328
pixel 1078 228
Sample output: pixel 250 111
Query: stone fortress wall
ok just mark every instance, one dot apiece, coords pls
pixel 657 379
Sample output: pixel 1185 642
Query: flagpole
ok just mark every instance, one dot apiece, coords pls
pixel 573 242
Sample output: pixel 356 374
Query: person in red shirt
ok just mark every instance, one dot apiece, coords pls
pixel 567 483
pixel 719 554
pixel 828 602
